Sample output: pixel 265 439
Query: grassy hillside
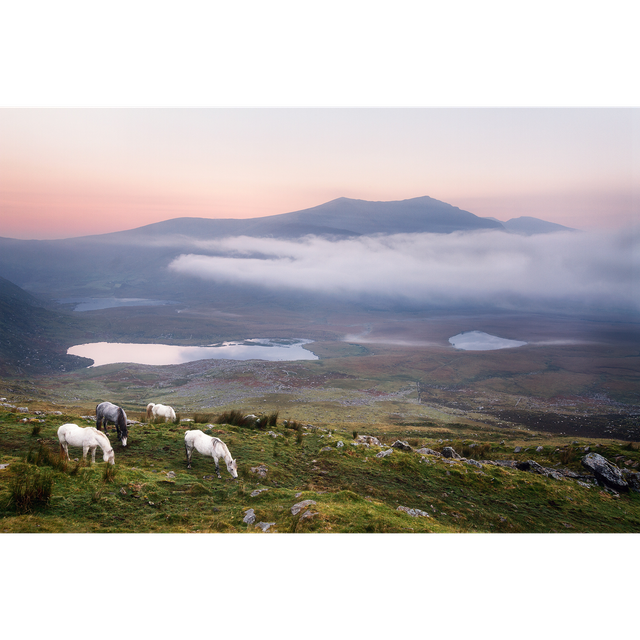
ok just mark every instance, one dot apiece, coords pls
pixel 351 489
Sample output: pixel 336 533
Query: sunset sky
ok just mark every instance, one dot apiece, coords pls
pixel 73 172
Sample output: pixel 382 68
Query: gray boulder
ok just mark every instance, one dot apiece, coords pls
pixel 450 452
pixel 300 506
pixel 414 513
pixel 370 440
pixel 249 516
pixel 384 454
pixel 425 451
pixel 402 445
pixel 606 472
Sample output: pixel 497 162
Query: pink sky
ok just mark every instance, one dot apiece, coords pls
pixel 72 172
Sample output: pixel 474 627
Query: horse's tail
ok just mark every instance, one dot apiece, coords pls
pixel 98 416
pixel 150 410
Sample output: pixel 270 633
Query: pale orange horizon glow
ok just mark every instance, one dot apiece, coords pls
pixel 74 172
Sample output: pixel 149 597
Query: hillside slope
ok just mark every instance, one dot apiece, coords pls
pixel 27 330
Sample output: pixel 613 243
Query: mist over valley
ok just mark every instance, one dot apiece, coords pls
pixel 387 276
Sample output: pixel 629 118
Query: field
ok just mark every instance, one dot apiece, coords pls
pixel 571 389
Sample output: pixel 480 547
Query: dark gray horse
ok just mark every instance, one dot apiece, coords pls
pixel 107 412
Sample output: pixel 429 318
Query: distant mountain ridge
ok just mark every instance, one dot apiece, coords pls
pixel 338 218
pixel 134 262
pixel 531 226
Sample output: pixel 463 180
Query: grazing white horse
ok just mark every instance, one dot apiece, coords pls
pixel 88 438
pixel 209 446
pixel 161 411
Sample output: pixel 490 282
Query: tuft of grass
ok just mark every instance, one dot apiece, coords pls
pixel 272 419
pixel 566 455
pixel 238 418
pixel 37 428
pixel 203 418
pixel 43 456
pixel 109 473
pixel 30 488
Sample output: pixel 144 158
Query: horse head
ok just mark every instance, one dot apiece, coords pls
pixel 122 426
pixel 232 468
pixel 109 456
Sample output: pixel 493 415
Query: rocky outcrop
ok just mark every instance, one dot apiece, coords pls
pixel 425 451
pixel 300 506
pixel 450 452
pixel 606 472
pixel 369 440
pixel 402 445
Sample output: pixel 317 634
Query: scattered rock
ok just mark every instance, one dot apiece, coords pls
pixel 604 471
pixel 326 449
pixel 539 449
pixel 249 516
pixel 257 492
pixel 4 466
pixel 369 440
pixel 415 513
pixel 384 454
pixel 425 451
pixel 299 506
pixel 632 478
pixel 23 410
pixel 308 514
pixel 450 452
pixel 402 445
pixel 171 474
pixel 475 463
pixel 260 470
pixel 272 434
pixel 517 450
pixel 265 525
pixel 340 444
pixel 534 467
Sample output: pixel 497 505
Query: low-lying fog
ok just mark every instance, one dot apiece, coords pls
pixel 572 270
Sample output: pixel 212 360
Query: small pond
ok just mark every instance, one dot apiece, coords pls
pixel 162 354
pixel 480 341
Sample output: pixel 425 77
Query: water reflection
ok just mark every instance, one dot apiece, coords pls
pixel 162 354
pixel 95 304
pixel 480 341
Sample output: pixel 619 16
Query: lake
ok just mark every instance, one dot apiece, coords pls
pixel 95 304
pixel 480 341
pixel 162 354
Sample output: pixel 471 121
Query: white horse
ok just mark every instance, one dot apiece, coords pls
pixel 209 446
pixel 160 411
pixel 88 438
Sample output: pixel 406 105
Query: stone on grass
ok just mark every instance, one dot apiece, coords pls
pixel 260 470
pixel 414 513
pixel 402 445
pixel 265 525
pixel 384 454
pixel 249 516
pixel 604 471
pixel 300 506
pixel 450 452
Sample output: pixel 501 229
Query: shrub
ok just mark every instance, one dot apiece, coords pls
pixel 355 434
pixel 203 418
pixel 240 419
pixel 36 430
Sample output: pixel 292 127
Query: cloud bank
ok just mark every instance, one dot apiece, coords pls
pixel 492 268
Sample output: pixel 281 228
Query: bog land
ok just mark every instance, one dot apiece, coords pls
pixel 571 390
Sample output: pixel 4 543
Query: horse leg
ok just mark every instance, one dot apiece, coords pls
pixel 93 455
pixel 188 452
pixel 85 449
pixel 217 468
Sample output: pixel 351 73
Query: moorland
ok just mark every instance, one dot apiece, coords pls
pixel 384 370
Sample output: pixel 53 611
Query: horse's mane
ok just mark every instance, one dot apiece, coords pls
pixel 225 449
pixel 102 436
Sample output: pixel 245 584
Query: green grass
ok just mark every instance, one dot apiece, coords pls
pixel 150 489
